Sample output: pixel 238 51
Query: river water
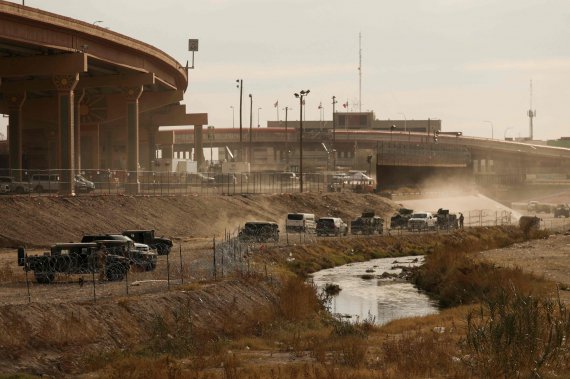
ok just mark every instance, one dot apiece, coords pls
pixel 376 299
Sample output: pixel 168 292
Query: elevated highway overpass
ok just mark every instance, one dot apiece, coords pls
pixel 81 96
pixel 272 147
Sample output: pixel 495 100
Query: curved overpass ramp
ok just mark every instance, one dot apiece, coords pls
pixel 82 96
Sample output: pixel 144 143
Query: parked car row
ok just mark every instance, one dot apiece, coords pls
pixel 42 183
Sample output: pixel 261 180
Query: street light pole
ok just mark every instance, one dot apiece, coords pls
pixel 333 149
pixel 233 116
pixel 240 86
pixel 286 140
pixel 211 138
pixel 250 124
pixel 301 95
pixel 492 133
pixel 258 109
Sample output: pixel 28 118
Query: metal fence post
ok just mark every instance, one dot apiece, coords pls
pixel 181 267
pixel 168 271
pixel 127 281
pixel 93 280
pixel 28 285
pixel 214 258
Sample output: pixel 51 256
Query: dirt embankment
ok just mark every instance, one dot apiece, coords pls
pixel 42 221
pixel 54 339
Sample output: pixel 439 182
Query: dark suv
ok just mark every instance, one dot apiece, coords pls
pixel 562 210
pixel 259 231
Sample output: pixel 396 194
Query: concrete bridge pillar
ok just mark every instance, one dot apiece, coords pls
pixel 133 95
pixel 65 86
pixel 15 102
pixel 151 145
pixel 77 130
pixel 198 146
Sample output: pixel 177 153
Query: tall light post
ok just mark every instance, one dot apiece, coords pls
pixel 492 132
pixel 233 116
pixel 391 130
pixel 405 121
pixel 333 149
pixel 258 109
pixel 211 138
pixel 240 86
pixel 286 140
pixel 250 126
pixel 301 95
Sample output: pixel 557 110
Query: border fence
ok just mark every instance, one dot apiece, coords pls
pixel 214 259
pixel 113 182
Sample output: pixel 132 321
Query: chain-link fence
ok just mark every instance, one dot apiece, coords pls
pixel 112 182
pixel 64 274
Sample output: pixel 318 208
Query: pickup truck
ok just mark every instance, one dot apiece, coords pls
pixel 422 221
pixel 11 185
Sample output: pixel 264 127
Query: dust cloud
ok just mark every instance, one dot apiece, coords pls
pixel 464 197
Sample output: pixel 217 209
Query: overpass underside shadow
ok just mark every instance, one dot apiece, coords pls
pixel 395 177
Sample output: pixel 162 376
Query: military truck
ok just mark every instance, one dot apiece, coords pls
pixel 139 255
pixel 400 219
pixel 562 210
pixel 75 258
pixel 259 231
pixel 160 244
pixel 367 223
pixel 446 220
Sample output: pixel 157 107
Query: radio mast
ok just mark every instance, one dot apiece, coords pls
pixel 531 113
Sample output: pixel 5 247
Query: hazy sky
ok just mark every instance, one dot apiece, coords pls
pixel 463 61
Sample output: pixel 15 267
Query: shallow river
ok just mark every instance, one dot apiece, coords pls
pixel 382 300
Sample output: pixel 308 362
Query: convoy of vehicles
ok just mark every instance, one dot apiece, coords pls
pixel 422 221
pixel 562 210
pixel 139 255
pixel 446 220
pixel 327 226
pixel 367 223
pixel 162 245
pixel 300 223
pixel 259 231
pixel 400 219
pixel 113 255
pixel 77 258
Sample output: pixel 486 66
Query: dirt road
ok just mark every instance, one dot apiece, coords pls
pixel 549 258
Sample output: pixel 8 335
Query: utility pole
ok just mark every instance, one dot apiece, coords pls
pixel 240 86
pixel 301 95
pixel 286 140
pixel 250 126
pixel 334 133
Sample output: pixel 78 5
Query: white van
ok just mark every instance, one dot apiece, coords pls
pixel 300 223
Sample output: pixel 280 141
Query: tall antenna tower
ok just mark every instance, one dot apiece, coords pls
pixel 531 113
pixel 360 72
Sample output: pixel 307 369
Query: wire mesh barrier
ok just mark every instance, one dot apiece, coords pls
pixel 87 272
pixel 117 182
